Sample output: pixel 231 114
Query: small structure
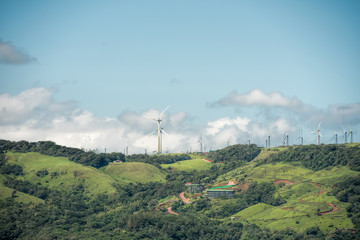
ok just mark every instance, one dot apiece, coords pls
pixel 195 188
pixel 218 193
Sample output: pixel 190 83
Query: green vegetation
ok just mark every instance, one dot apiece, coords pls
pixel 134 172
pixel 304 192
pixel 318 157
pixel 197 164
pixel 90 158
pixel 157 159
pixel 62 173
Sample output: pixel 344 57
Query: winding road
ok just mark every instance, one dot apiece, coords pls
pixel 333 207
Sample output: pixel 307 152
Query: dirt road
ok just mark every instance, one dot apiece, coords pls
pixel 185 200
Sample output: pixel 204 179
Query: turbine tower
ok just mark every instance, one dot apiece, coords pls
pixel 228 142
pixel 201 143
pixel 159 130
pixel 301 138
pixel 345 135
pixel 351 135
pixel 318 133
pixel 286 140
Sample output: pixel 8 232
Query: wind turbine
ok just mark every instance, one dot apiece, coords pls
pixel 268 141
pixel 201 143
pixel 228 141
pixel 301 138
pixel 351 135
pixel 159 130
pixel 286 140
pixel 335 137
pixel 345 135
pixel 318 133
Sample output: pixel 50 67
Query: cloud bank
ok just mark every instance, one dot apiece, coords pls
pixel 34 115
pixel 9 54
pixel 274 105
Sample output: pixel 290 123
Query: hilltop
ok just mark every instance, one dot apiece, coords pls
pixel 291 192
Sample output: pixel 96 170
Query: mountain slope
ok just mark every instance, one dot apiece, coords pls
pixel 60 173
pixel 134 172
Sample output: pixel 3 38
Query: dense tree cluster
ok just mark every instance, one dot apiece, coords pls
pixel 232 157
pixel 7 169
pixel 317 157
pixel 235 154
pixel 88 158
pixel 349 191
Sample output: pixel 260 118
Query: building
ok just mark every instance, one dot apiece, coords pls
pixel 195 188
pixel 218 193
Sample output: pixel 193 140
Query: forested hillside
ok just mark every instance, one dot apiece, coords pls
pixel 303 192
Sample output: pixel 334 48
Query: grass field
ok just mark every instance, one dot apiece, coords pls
pixel 306 196
pixel 278 218
pixel 62 173
pixel 196 163
pixel 6 192
pixel 134 172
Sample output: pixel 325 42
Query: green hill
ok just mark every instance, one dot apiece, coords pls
pixel 196 163
pixel 295 192
pixel 134 172
pixel 60 173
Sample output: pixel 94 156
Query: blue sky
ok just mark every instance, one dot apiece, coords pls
pixel 85 72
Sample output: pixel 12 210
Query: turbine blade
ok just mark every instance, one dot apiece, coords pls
pixel 162 130
pixel 152 133
pixel 319 125
pixel 162 113
pixel 150 117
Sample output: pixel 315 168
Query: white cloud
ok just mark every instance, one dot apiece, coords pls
pixel 34 115
pixel 275 105
pixel 9 54
pixel 216 126
pixel 259 98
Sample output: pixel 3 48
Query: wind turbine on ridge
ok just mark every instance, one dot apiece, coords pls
pixel 286 139
pixel 345 135
pixel 301 137
pixel 159 130
pixel 318 133
pixel 350 133
pixel 335 137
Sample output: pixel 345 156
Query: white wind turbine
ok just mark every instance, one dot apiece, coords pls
pixel 201 143
pixel 350 134
pixel 228 142
pixel 335 137
pixel 286 139
pixel 318 133
pixel 301 137
pixel 159 130
pixel 345 135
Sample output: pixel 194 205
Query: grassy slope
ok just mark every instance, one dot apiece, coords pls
pixel 196 163
pixel 295 214
pixel 94 180
pixel 6 192
pixel 135 172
